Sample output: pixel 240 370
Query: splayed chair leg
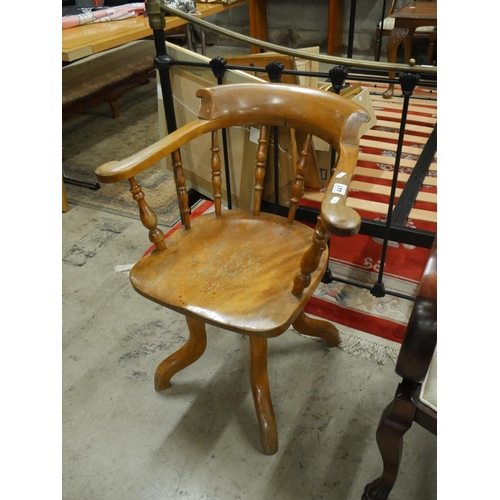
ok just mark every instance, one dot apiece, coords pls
pixel 394 423
pixel 317 328
pixel 262 396
pixel 185 356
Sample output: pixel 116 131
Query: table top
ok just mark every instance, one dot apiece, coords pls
pixel 89 39
pixel 417 10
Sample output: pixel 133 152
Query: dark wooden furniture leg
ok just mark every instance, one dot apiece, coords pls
pixel 395 38
pixel 431 48
pixel 262 396
pixel 395 421
pixel 185 356
pixel 335 27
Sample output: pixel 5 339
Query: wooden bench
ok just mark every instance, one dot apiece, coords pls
pixel 105 76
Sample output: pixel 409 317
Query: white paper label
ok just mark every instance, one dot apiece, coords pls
pixel 339 188
pixel 254 135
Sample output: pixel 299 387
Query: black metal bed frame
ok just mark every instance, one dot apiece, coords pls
pixel 394 229
pixel 395 226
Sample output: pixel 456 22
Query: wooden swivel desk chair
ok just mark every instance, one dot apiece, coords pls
pixel 423 32
pixel 416 395
pixel 244 270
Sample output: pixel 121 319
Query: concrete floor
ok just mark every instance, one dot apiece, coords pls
pixel 199 439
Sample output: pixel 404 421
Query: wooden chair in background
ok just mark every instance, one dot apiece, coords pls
pixel 427 33
pixel 245 270
pixel 416 395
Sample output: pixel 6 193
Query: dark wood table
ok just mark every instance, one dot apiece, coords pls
pixel 406 21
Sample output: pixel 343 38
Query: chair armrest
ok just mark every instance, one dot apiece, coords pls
pixel 420 339
pixel 337 218
pixel 115 171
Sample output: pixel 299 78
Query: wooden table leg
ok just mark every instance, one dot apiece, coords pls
pixel 257 14
pixel 409 44
pixel 395 38
pixel 335 27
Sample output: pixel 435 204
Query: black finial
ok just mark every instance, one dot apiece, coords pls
pixel 408 83
pixel 275 70
pixel 218 65
pixel 338 74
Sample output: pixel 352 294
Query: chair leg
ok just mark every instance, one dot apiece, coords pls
pixel 394 423
pixel 317 328
pixel 185 356
pixel 262 396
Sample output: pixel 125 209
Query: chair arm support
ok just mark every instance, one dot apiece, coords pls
pixel 337 218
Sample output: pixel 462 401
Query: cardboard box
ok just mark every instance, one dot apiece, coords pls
pixel 242 144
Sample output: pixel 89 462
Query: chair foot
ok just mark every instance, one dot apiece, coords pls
pixel 185 356
pixel 262 396
pixel 376 491
pixel 389 92
pixel 317 328
pixel 396 419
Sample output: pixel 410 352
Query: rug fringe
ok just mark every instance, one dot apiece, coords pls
pixel 361 347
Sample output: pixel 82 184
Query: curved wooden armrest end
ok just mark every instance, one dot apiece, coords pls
pixel 339 219
pixel 104 173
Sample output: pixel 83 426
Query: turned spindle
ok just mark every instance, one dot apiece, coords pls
pixel 298 183
pixel 260 168
pixel 310 260
pixel 180 186
pixel 216 173
pixel 148 217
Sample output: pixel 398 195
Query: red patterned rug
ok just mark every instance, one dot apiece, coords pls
pixel 357 259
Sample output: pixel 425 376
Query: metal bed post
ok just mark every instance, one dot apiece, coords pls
pixel 408 82
pixel 275 71
pixel 352 20
pixel 162 60
pixel 218 65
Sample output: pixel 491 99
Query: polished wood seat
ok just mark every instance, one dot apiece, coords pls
pixel 245 270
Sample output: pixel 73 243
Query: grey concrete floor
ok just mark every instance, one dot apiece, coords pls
pixel 199 439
